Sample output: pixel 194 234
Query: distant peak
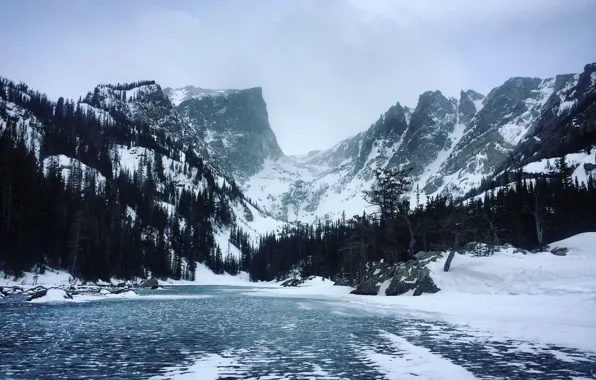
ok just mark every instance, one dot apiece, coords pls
pixel 473 95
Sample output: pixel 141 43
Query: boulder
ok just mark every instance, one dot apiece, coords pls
pixel 559 251
pixel 414 276
pixel 397 287
pixel 35 290
pixel 367 288
pixel 292 282
pixel 507 246
pixel 156 287
pixel 56 293
pixel 150 283
pixel 521 250
pixel 425 285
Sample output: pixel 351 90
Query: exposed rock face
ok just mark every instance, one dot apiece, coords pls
pixel 566 118
pixel 234 125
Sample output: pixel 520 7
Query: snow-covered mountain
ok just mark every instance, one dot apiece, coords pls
pixel 232 125
pixel 451 144
pixel 159 138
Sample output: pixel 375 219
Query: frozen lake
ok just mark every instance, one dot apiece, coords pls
pixel 208 332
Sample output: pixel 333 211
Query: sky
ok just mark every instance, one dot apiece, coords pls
pixel 328 68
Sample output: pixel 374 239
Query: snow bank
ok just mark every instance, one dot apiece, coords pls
pixel 540 297
pixel 512 273
pixel 314 287
pixel 49 278
pixel 205 276
pixel 53 295
pixel 127 294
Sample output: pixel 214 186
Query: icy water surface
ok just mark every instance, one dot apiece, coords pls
pixel 228 334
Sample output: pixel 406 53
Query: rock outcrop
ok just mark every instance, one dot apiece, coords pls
pixel 149 283
pixel 399 279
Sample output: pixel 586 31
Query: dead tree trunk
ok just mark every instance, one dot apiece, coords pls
pixel 449 260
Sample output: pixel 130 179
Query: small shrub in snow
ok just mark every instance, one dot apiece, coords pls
pixel 480 249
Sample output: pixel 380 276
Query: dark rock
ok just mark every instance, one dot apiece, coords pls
pixel 507 246
pixel 149 283
pixel 367 288
pixel 588 167
pixel 521 250
pixel 397 287
pixel 156 287
pixel 35 290
pixel 559 251
pixel 292 282
pixel 121 284
pixel 425 285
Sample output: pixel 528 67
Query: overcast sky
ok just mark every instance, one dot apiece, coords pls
pixel 328 68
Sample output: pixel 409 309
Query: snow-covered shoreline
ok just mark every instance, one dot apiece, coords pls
pixel 540 298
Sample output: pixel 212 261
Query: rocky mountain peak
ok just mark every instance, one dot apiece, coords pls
pixel 470 102
pixel 233 123
pixel 391 124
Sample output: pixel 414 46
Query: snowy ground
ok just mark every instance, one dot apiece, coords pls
pixel 541 298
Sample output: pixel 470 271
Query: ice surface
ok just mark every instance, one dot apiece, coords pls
pixel 414 362
pixel 208 367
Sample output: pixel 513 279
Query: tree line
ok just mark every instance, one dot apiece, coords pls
pixel 65 202
pixel 528 212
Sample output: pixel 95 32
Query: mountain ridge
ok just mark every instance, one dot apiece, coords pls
pixel 453 145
